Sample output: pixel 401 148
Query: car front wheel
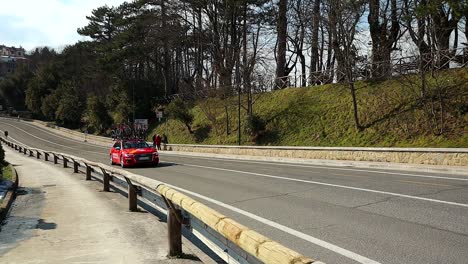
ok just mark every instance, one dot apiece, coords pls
pixel 111 160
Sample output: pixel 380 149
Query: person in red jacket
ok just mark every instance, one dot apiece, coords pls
pixel 158 141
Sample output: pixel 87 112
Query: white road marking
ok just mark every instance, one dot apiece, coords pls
pixel 322 167
pixel 306 237
pixel 45 140
pixel 63 137
pixel 331 185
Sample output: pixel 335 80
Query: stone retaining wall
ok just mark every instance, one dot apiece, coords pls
pixel 449 157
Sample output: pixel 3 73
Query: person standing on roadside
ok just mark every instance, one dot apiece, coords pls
pixel 158 141
pixel 164 140
pixel 154 140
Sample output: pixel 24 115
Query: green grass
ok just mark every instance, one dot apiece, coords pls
pixel 391 111
pixel 7 172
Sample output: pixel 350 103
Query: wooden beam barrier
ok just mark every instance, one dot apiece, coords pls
pixel 174 228
pixel 75 166
pixel 65 162
pixel 105 180
pixel 132 196
pixel 88 172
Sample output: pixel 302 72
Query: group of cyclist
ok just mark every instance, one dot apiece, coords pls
pixel 124 131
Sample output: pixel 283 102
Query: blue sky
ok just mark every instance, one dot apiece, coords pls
pixel 38 23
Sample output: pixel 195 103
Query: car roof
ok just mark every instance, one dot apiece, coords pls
pixel 131 140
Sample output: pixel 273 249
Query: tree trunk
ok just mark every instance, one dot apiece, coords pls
pixel 383 38
pixel 314 57
pixel 167 58
pixel 282 27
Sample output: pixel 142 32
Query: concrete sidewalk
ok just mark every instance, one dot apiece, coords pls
pixel 58 217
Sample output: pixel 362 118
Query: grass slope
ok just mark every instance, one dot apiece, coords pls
pixel 7 172
pixel 391 111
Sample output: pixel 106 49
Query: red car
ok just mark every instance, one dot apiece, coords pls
pixel 133 152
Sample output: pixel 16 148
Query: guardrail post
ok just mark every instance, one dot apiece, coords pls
pixel 88 172
pixel 75 166
pixel 105 180
pixel 46 156
pixel 31 154
pixel 55 159
pixel 65 161
pixel 25 150
pixel 16 147
pixel 132 196
pixel 38 155
pixel 20 149
pixel 174 228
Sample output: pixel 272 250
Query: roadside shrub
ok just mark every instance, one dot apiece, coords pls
pixel 255 127
pixel 180 110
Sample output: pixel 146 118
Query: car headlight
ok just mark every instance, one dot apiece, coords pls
pixel 128 155
pixel 155 153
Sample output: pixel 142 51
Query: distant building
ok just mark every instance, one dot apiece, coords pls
pixel 10 59
pixel 11 51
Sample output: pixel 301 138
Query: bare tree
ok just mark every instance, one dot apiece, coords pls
pixel 282 29
pixel 344 17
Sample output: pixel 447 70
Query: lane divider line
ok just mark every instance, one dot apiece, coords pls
pixel 298 234
pixel 45 140
pixel 61 136
pixel 333 185
pixel 323 167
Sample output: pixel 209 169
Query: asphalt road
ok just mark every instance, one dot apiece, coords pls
pixel 334 214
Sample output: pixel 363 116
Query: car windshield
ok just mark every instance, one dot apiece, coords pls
pixel 130 145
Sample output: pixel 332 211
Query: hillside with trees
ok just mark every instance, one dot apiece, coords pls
pixel 146 55
pixel 392 114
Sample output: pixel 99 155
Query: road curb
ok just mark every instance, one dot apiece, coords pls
pixel 10 196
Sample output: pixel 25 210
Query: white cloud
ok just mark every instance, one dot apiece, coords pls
pixel 53 23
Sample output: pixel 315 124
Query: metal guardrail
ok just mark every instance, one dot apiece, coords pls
pixel 231 241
